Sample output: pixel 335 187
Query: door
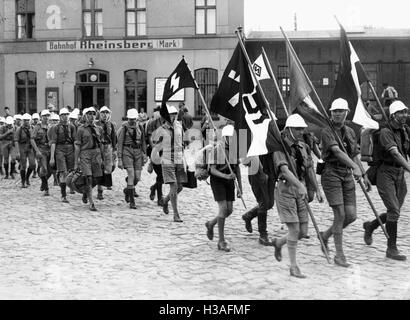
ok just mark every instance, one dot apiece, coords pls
pixel 101 96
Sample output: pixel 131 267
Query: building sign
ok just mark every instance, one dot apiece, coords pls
pixel 113 45
pixel 159 91
pixel 50 75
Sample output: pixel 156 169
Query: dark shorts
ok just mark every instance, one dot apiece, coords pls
pixel 223 189
pixel 64 157
pixel 132 158
pixel 174 173
pixel 338 185
pixel 26 153
pixel 90 162
pixel 290 208
pixel 392 189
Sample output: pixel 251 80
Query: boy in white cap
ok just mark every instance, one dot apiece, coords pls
pixel 88 154
pixel 173 170
pixel 108 147
pixel 22 144
pixel 132 150
pixel 7 145
pixel 40 143
pixel 394 150
pixel 2 124
pixel 291 191
pixel 61 139
pixel 337 178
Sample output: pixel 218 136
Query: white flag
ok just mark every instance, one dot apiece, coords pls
pixel 260 68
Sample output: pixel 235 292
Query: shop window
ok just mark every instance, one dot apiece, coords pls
pixel 205 16
pixel 92 18
pixel 207 80
pixel 135 88
pixel 135 16
pixel 25 19
pixel 26 92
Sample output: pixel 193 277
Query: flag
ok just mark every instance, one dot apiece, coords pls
pixel 179 79
pixel 237 99
pixel 300 101
pixel 259 67
pixel 349 79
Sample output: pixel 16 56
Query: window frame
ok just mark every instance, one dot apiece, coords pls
pixel 204 87
pixel 135 11
pixel 205 7
pixel 92 11
pixel 136 87
pixel 26 88
pixel 25 13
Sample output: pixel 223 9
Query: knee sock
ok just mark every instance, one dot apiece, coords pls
pixel 29 171
pixel 338 238
pixel 292 244
pixel 159 190
pixel 6 169
pixel 391 228
pixel 173 199
pixel 44 183
pixel 375 224
pixel 23 176
pixel 221 228
pixel 63 189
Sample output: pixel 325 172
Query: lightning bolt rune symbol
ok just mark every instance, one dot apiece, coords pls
pixel 174 83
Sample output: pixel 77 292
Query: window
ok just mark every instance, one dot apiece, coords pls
pixel 207 80
pixel 135 88
pixel 92 18
pixel 26 92
pixel 284 81
pixel 25 19
pixel 136 15
pixel 205 16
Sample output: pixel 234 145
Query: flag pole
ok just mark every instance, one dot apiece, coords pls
pixel 208 114
pixel 291 165
pixel 359 181
pixel 271 74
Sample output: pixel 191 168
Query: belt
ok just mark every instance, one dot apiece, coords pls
pixel 133 146
pixel 392 164
pixel 65 143
pixel 338 165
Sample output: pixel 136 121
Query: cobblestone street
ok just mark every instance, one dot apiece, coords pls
pixel 53 250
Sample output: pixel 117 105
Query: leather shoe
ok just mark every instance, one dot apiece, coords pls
pixel 248 224
pixel 127 196
pixel 210 230
pixel 133 205
pixel 278 250
pixel 152 194
pixel 177 218
pixel 367 233
pixel 64 199
pixel 223 246
pixel 46 193
pixel 265 241
pixel 165 208
pixel 160 202
pixel 341 261
pixel 92 207
pixel 295 272
pixel 394 253
pixel 325 242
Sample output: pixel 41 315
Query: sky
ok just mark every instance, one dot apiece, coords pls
pixel 268 15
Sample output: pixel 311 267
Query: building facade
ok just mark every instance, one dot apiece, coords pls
pixel 118 53
pixel 384 53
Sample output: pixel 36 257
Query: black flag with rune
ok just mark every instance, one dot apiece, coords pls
pixel 179 79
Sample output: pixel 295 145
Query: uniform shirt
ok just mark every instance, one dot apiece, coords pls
pixel 348 137
pixel 130 135
pixel 88 136
pixel 222 152
pixel 39 135
pixel 22 135
pixel 108 133
pixel 300 156
pixel 171 137
pixel 62 134
pixel 152 126
pixel 9 137
pixel 389 139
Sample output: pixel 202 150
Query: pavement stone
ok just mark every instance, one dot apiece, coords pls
pixel 53 250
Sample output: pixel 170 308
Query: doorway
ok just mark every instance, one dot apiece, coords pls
pixel 92 88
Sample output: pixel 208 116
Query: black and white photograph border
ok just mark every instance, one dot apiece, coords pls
pixel 63 251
